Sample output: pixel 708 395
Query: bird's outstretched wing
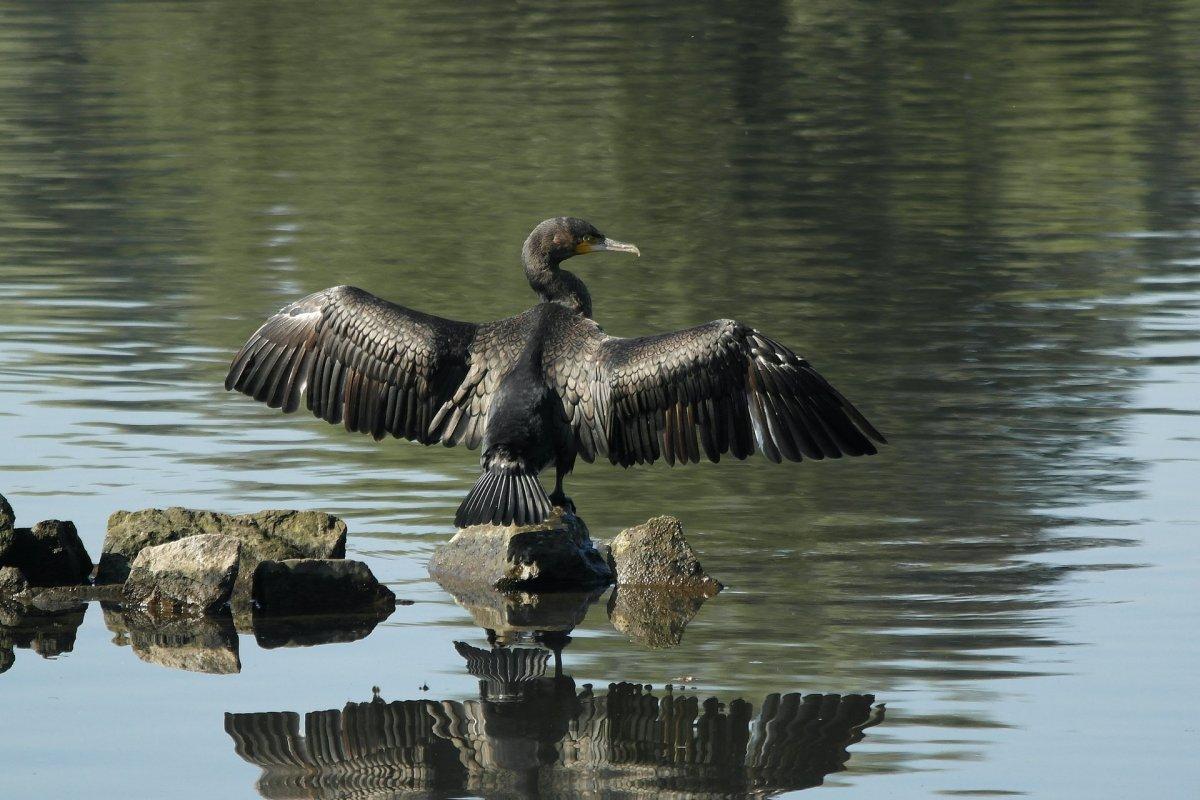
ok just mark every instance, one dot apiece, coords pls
pixel 717 388
pixel 376 366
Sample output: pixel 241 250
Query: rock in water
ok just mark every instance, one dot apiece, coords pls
pixel 12 582
pixel 49 554
pixel 656 554
pixel 555 554
pixel 195 574
pixel 7 519
pixel 266 535
pixel 317 585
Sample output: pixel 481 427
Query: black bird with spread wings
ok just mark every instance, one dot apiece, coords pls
pixel 545 386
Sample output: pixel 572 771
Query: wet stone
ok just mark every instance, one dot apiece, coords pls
pixel 12 582
pixel 7 518
pixel 656 554
pixel 191 575
pixel 49 554
pixel 314 586
pixel 557 554
pixel 264 535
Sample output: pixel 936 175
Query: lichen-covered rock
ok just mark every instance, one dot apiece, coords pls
pixel 315 585
pixel 12 582
pixel 49 554
pixel 265 535
pixel 7 519
pixel 653 617
pixel 195 574
pixel 557 554
pixel 656 554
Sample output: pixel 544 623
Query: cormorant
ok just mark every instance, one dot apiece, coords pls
pixel 547 385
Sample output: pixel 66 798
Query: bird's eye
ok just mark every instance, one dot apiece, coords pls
pixel 590 238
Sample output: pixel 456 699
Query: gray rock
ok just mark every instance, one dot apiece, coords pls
pixel 195 574
pixel 557 554
pixel 315 586
pixel 12 582
pixel 651 616
pixel 49 554
pixel 265 535
pixel 656 554
pixel 195 644
pixel 7 519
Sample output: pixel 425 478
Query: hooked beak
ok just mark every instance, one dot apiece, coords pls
pixel 607 245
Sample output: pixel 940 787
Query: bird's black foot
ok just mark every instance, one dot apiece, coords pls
pixel 560 500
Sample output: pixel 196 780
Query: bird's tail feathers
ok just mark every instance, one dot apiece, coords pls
pixel 505 494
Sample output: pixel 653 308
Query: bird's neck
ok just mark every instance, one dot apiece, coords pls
pixel 556 285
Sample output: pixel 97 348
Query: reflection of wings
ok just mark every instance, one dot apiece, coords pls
pixel 374 365
pixel 569 742
pixel 719 388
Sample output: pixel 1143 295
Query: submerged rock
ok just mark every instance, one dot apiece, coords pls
pixel 265 535
pixel 656 554
pixel 195 574
pixel 7 519
pixel 555 554
pixel 49 554
pixel 315 585
pixel 194 644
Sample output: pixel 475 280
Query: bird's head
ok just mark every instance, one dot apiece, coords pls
pixel 555 240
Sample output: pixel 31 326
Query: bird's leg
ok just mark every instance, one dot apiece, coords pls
pixel 558 497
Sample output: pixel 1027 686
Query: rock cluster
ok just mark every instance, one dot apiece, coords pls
pixel 264 536
pixel 171 579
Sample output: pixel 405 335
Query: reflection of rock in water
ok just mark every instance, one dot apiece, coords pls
pixel 206 644
pixel 48 632
pixel 555 741
pixel 653 617
pixel 512 613
pixel 314 629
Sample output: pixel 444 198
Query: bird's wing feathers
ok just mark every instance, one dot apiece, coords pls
pixel 717 388
pixel 376 366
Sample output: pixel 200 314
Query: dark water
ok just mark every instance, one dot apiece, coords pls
pixel 981 220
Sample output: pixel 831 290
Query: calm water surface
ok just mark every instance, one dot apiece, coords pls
pixel 981 221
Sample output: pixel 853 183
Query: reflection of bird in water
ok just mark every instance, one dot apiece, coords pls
pixel 534 735
pixel 547 385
